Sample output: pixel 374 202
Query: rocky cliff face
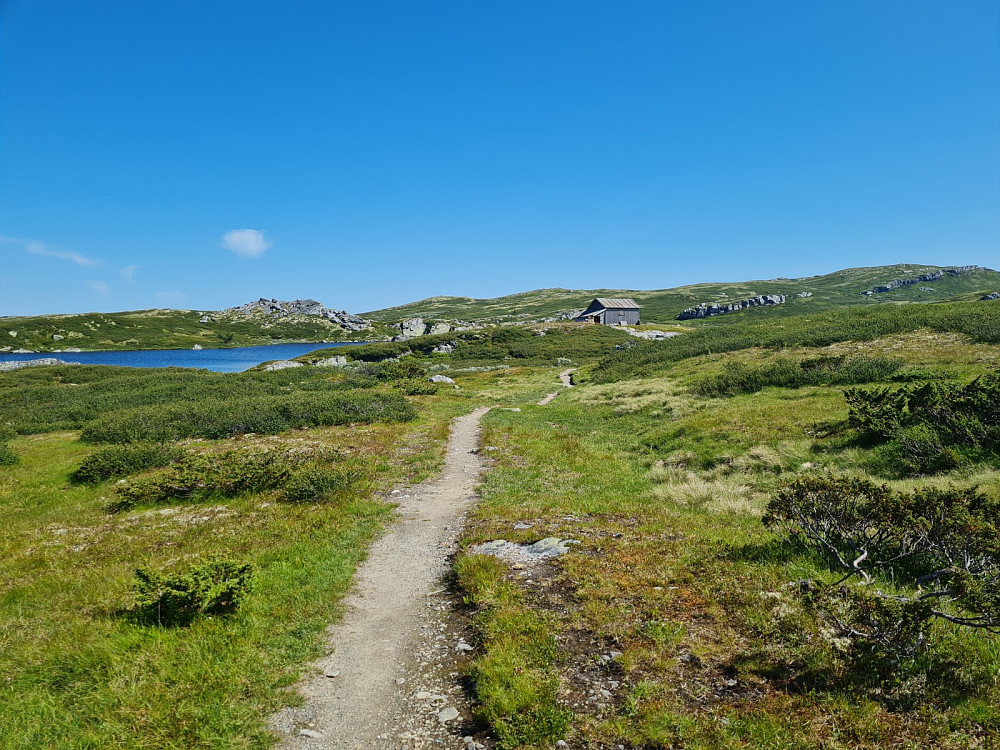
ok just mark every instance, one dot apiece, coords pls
pixel 277 308
pixel 705 310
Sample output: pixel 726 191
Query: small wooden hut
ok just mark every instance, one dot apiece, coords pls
pixel 611 312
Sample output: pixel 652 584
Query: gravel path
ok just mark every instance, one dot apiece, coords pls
pixel 567 381
pixel 391 679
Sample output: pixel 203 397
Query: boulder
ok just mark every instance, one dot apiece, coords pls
pixel 281 364
pixel 12 333
pixel 23 351
pixel 197 347
pixel 440 379
pixel 335 361
pixel 992 295
pixel 57 337
pixel 446 348
pixel 440 328
pixel 412 327
pixel 45 361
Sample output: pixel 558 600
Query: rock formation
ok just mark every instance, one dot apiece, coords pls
pixel 987 297
pixel 921 279
pixel 281 308
pixel 43 362
pixel 705 310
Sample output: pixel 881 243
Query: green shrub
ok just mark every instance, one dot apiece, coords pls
pixel 212 587
pixel 228 474
pixel 7 456
pixel 739 377
pixel 124 460
pixel 939 550
pixel 312 484
pixel 264 415
pixel 930 427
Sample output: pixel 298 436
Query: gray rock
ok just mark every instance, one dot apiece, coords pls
pixel 281 364
pixel 12 333
pixel 440 328
pixel 706 310
pixel 446 348
pixel 310 733
pixel 540 550
pixel 412 327
pixel 57 337
pixel 22 350
pixel 804 294
pixel 281 308
pixel 197 347
pixel 991 296
pixel 72 349
pixel 43 362
pixel 335 361
pixel 204 319
pixel 440 379
pixel 447 714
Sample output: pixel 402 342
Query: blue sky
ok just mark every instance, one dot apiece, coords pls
pixel 200 154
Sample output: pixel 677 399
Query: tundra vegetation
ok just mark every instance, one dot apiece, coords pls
pixel 787 533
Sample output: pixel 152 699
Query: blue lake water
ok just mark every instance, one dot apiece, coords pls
pixel 219 360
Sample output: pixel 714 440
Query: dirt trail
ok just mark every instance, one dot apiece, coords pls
pixel 567 381
pixel 370 691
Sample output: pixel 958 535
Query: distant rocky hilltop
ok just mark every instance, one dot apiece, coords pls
pixel 923 278
pixel 277 308
pixel 706 310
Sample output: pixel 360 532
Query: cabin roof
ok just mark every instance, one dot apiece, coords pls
pixel 617 303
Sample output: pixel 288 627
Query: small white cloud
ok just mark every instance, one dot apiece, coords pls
pixel 40 248
pixel 101 287
pixel 170 297
pixel 246 242
pixel 128 273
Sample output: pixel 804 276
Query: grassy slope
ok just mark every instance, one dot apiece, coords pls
pixel 664 491
pixel 158 329
pixel 829 291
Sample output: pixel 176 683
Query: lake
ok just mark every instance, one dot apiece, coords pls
pixel 218 360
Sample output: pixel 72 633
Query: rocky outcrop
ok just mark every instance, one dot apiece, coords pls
pixel 440 328
pixel 440 379
pixel 987 297
pixel 281 308
pixel 43 362
pixel 281 364
pixel 804 294
pixel 336 360
pixel 411 328
pixel 921 279
pixel 705 310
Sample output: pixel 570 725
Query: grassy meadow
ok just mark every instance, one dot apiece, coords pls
pixel 678 620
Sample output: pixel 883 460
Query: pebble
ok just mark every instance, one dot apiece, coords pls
pixel 309 733
pixel 447 714
pixel 333 674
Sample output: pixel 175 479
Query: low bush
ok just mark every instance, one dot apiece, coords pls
pixel 7 456
pixel 917 557
pixel 738 377
pixel 264 415
pixel 929 427
pixel 211 587
pixel 115 461
pixel 313 484
pixel 228 474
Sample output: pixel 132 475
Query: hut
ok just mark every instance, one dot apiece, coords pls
pixel 611 312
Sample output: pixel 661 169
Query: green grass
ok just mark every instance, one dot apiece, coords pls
pixel 664 490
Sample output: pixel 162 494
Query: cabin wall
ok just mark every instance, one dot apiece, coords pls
pixel 626 316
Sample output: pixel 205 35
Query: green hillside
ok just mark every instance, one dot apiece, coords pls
pixel 831 290
pixel 158 329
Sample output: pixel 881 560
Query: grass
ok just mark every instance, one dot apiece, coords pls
pixel 664 490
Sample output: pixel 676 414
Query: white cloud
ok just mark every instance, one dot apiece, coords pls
pixel 101 287
pixel 40 248
pixel 246 242
pixel 170 297
pixel 128 272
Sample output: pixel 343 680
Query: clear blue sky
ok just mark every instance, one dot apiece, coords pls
pixel 387 151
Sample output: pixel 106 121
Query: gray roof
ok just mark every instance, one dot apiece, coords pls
pixel 617 302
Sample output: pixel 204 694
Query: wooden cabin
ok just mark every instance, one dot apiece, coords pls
pixel 611 312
